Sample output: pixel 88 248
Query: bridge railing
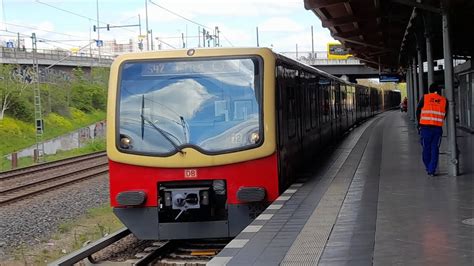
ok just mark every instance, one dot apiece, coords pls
pixel 319 58
pixel 54 55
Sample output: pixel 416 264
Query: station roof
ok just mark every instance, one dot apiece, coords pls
pixel 385 32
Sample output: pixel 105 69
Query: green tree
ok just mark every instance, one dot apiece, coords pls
pixel 12 85
pixel 88 96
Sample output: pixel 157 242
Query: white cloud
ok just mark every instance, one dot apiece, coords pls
pixel 280 24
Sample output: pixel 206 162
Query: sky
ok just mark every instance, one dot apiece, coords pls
pixel 67 24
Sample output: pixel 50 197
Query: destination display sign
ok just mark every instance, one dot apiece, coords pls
pixel 197 67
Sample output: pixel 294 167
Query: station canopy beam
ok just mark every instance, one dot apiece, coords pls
pixel 384 33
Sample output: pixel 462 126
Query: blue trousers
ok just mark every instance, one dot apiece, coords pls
pixel 431 140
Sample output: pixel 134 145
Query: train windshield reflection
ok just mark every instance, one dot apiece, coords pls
pixel 211 105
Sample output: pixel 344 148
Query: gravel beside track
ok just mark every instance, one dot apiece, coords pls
pixel 35 219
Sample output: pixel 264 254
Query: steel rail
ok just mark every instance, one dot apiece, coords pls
pixel 90 249
pixel 45 166
pixel 16 193
pixel 153 255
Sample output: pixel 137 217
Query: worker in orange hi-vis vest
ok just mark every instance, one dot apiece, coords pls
pixel 430 113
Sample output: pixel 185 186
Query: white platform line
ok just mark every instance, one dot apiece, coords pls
pixel 252 228
pixel 264 217
pixel 283 198
pixel 237 243
pixel 290 191
pixel 219 261
pixel 296 185
pixel 275 207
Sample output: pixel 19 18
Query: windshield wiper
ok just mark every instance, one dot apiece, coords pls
pixel 185 127
pixel 164 134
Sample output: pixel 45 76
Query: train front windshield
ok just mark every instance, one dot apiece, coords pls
pixel 211 105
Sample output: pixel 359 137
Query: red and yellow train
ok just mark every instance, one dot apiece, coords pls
pixel 200 141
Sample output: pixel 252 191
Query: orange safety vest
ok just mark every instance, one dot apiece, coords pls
pixel 434 110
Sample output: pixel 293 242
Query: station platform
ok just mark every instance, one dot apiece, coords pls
pixel 370 203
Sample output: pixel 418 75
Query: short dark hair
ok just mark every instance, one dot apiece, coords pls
pixel 434 87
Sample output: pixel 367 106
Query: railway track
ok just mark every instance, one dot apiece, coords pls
pixel 46 166
pixel 163 253
pixel 18 184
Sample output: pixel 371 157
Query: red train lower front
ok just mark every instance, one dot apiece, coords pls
pixel 207 202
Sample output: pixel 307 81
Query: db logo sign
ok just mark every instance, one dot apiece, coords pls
pixel 190 173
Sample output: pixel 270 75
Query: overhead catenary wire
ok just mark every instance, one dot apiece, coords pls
pixel 43 40
pixel 176 14
pixel 187 19
pixel 159 39
pixel 79 15
pixel 64 10
pixel 39 29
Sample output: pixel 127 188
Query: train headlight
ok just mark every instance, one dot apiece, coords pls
pixel 125 142
pixel 254 137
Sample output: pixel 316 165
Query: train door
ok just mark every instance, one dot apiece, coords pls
pixel 334 111
pixel 324 111
pixel 338 108
pixel 315 113
pixel 301 84
pixel 351 101
pixel 358 97
pixel 344 113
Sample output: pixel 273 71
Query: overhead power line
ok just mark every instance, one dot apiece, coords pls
pixel 39 29
pixel 222 34
pixel 76 14
pixel 185 18
pixel 159 39
pixel 64 10
pixel 176 14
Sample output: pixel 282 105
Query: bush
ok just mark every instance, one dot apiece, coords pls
pixel 21 107
pixel 9 127
pixel 78 116
pixel 57 121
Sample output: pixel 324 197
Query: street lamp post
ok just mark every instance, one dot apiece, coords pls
pixel 146 20
pixel 98 29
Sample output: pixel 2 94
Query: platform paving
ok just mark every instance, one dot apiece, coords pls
pixel 369 203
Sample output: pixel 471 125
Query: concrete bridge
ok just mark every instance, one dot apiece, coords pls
pixel 63 60
pixel 352 67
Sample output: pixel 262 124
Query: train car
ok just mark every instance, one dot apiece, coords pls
pixel 200 141
pixel 336 51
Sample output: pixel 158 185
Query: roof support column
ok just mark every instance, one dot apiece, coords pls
pixel 453 166
pixel 421 85
pixel 429 50
pixel 410 95
pixel 415 85
pixel 414 94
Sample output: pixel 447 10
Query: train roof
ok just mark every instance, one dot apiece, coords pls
pixel 204 51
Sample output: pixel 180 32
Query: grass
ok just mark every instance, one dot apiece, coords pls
pixel 91 146
pixel 70 236
pixel 16 134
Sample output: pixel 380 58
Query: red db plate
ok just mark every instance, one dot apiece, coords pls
pixel 190 173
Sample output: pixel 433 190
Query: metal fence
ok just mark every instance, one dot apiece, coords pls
pixel 54 55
